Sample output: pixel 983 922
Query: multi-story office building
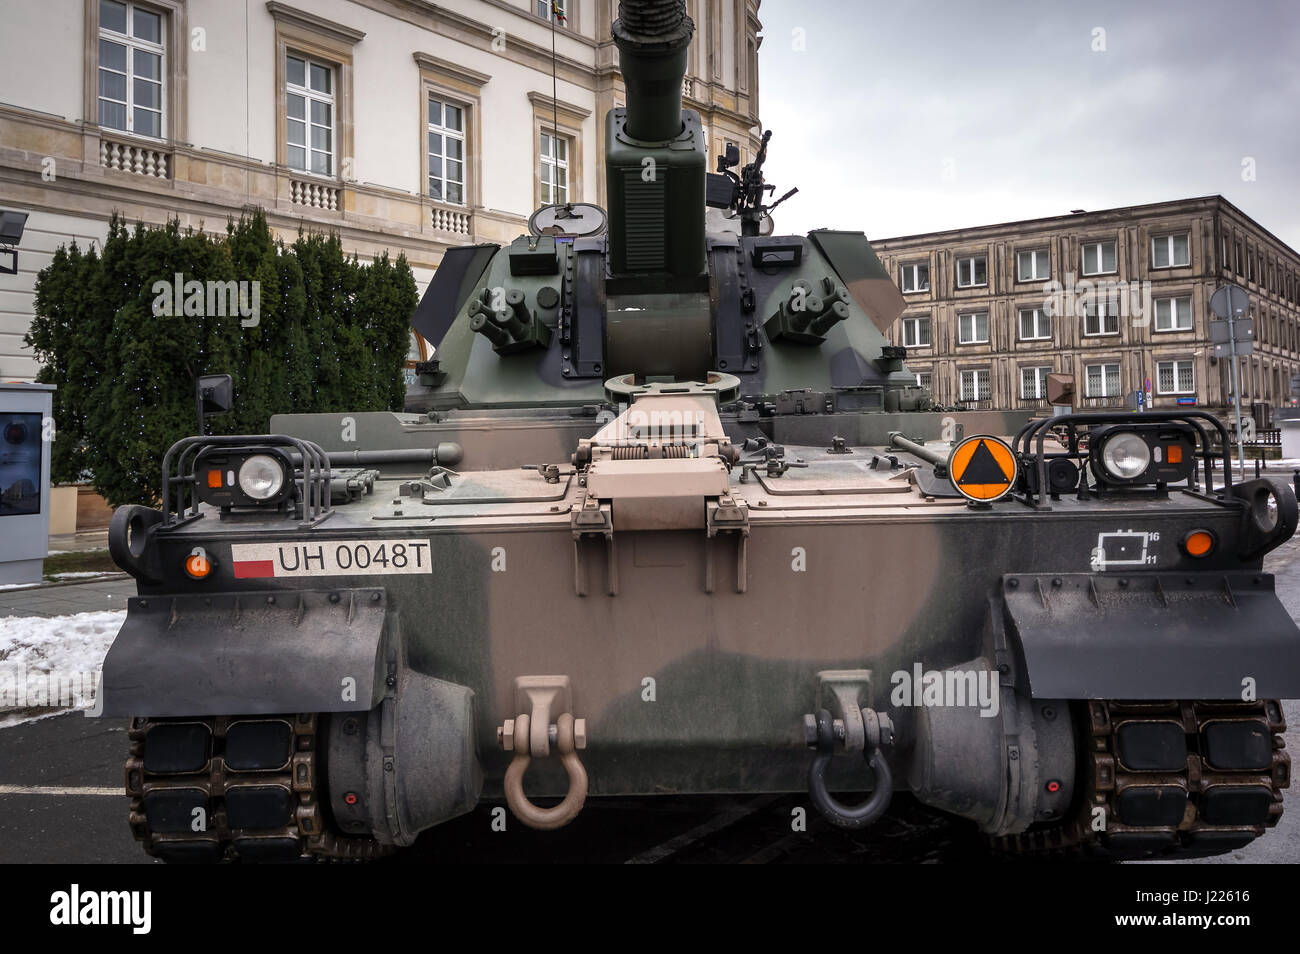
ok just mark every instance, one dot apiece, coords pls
pixel 1117 298
pixel 398 124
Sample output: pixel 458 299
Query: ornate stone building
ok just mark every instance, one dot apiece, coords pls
pixel 1116 297
pixel 398 124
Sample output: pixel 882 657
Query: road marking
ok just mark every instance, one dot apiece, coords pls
pixel 59 790
pixel 724 820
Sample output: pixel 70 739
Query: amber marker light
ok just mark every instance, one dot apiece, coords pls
pixel 1173 454
pixel 214 478
pixel 197 566
pixel 1198 543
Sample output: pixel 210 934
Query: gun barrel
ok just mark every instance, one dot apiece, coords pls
pixel 652 38
pixel 916 450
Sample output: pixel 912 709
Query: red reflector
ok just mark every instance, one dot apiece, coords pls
pixel 1053 786
pixel 350 798
pixel 214 478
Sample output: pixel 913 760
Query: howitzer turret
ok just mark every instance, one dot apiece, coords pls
pixel 655 294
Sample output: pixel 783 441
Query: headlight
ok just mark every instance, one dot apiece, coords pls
pixel 243 477
pixel 1126 456
pixel 1157 454
pixel 261 476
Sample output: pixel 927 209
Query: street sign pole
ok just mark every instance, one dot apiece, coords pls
pixel 1224 303
pixel 1236 392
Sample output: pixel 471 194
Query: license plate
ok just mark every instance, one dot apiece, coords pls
pixel 330 558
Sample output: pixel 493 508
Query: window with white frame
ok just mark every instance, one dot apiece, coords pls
pixel 446 135
pixel 546 9
pixel 554 169
pixel 1098 258
pixel 923 379
pixel 972 271
pixel 1171 251
pixel 1175 377
pixel 916 278
pixel 1174 314
pixel 309 114
pixel 1102 380
pixel 975 385
pixel 1101 317
pixel 916 332
pixel 1033 382
pixel 1032 265
pixel 131 62
pixel 973 328
pixel 1035 324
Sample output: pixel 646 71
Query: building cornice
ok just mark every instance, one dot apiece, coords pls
pixel 433 64
pixel 573 114
pixel 481 36
pixel 305 20
pixel 1123 214
pixel 1056 222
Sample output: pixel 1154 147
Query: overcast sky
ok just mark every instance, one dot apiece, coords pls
pixel 905 117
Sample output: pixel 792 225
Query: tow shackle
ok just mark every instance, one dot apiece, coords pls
pixel 532 734
pixel 824 734
pixel 547 819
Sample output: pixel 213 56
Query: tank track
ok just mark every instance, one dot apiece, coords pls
pixel 305 835
pixel 1103 777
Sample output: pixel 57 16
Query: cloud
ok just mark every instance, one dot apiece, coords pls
pixel 1027 119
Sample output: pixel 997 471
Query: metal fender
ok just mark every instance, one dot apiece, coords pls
pixel 250 653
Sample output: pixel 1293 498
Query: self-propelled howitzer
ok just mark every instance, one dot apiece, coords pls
pixel 667 514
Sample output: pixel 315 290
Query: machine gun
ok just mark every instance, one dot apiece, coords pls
pixel 743 194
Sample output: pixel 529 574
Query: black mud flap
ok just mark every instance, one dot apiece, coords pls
pixel 247 654
pixel 1151 636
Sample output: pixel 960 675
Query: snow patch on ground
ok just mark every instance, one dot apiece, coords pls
pixel 63 645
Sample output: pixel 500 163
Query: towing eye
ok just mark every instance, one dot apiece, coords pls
pixel 836 812
pixel 532 735
pixel 859 729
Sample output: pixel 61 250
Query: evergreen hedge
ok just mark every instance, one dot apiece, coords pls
pixel 332 335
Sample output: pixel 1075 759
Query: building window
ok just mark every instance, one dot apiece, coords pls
pixel 975 385
pixel 309 111
pixel 446 151
pixel 923 379
pixel 1175 377
pixel 1102 380
pixel 1174 314
pixel 546 9
pixel 1101 317
pixel 1171 251
pixel 554 169
pixel 131 54
pixel 1250 267
pixel 916 332
pixel 972 271
pixel 1099 258
pixel 1236 266
pixel 916 278
pixel 1033 383
pixel 1035 324
pixel 973 328
pixel 1032 265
